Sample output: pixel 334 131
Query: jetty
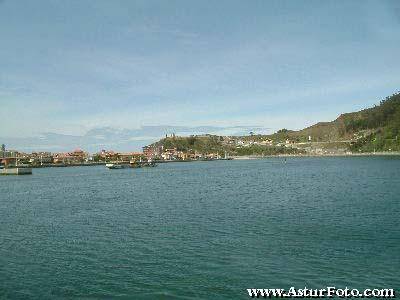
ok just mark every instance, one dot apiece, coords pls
pixel 16 171
pixel 11 167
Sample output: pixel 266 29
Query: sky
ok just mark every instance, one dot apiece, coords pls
pixel 69 67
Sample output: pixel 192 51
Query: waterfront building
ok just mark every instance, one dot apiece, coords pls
pixel 152 151
pixel 182 155
pixel 75 157
pixel 169 154
pixel 40 158
pixel 267 142
pixel 107 155
pixel 126 157
pixel 213 156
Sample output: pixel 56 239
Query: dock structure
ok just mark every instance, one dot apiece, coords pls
pixel 13 169
pixel 16 171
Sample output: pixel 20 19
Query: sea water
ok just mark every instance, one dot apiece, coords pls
pixel 200 230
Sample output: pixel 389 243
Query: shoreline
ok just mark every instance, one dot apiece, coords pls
pixel 67 165
pixel 244 157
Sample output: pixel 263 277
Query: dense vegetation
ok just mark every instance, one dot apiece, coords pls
pixel 378 128
pixel 215 144
pixel 206 144
pixel 383 115
pixel 372 129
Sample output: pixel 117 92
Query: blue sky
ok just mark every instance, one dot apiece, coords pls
pixel 71 66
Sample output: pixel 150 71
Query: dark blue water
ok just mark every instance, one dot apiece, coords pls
pixel 204 230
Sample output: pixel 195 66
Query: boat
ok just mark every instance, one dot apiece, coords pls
pixel 151 164
pixel 135 164
pixel 132 164
pixel 116 165
pixel 142 164
pixel 148 163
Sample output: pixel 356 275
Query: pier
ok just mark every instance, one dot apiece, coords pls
pixel 16 171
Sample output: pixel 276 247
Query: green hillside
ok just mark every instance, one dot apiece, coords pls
pixel 377 128
pixel 372 129
pixel 368 130
pixel 220 144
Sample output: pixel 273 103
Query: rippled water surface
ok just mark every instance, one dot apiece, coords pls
pixel 203 230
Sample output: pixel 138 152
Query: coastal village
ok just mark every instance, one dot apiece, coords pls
pixel 81 157
pixel 374 130
pixel 159 153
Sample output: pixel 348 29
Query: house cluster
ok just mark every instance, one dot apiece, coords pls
pixel 109 155
pixel 40 158
pixel 240 143
pixel 154 152
pixel 77 156
pixel 151 152
pixel 247 143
